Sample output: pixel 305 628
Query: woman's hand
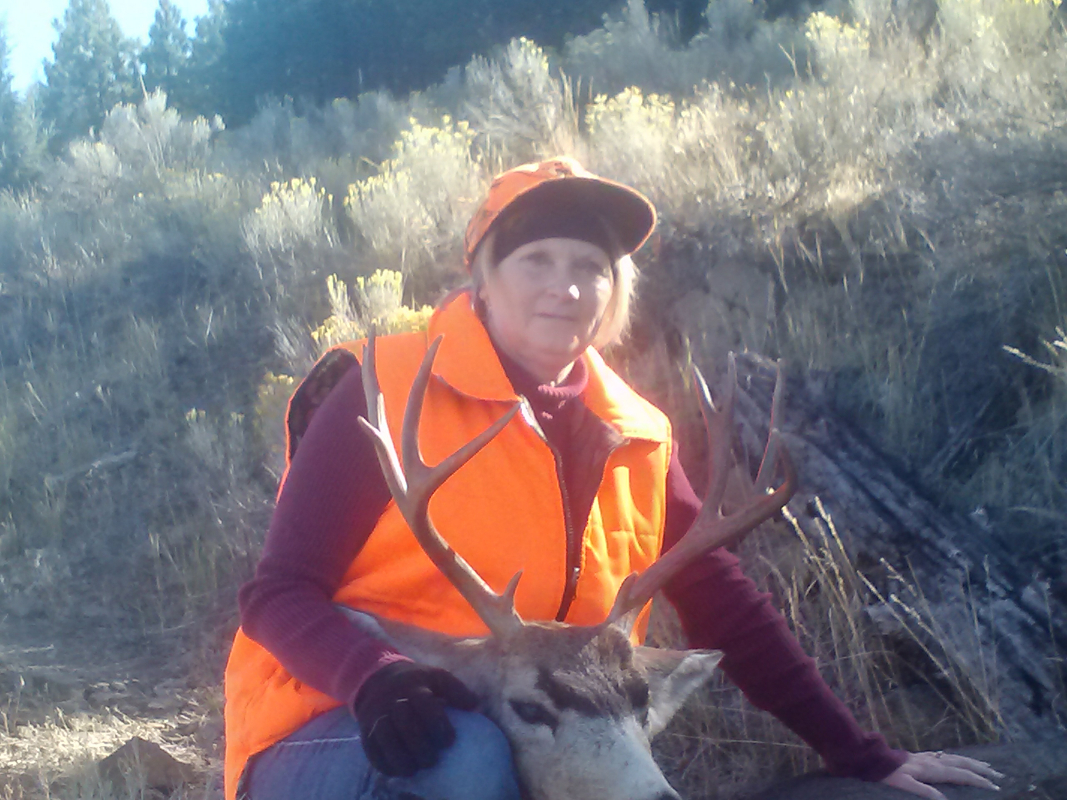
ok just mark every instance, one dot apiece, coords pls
pixel 921 769
pixel 401 714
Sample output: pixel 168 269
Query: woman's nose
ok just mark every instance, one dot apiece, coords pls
pixel 563 284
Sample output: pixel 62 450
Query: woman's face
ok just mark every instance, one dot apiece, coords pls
pixel 544 303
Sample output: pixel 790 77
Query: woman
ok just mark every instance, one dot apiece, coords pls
pixel 318 708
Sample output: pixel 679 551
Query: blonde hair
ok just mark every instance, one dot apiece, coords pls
pixel 617 316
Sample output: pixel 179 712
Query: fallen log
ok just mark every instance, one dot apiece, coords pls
pixel 999 627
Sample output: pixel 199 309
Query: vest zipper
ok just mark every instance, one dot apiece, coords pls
pixel 573 568
pixel 574 545
pixel 574 556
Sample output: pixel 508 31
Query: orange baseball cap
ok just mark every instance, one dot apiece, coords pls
pixel 629 213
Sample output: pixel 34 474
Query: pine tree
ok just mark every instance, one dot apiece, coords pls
pixel 8 99
pixel 166 56
pixel 93 69
pixel 203 70
pixel 9 106
pixel 258 38
pixel 316 50
pixel 20 150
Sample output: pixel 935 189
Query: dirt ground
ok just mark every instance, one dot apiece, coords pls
pixel 73 692
pixel 78 682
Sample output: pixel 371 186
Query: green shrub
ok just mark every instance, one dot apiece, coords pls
pixel 736 47
pixel 279 143
pixel 1002 54
pixel 21 224
pixel 146 173
pixel 520 107
pixel 136 145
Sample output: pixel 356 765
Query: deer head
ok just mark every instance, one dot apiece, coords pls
pixel 579 704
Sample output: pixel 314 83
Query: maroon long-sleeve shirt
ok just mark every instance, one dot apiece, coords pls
pixel 334 494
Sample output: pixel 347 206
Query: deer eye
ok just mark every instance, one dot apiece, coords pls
pixel 533 713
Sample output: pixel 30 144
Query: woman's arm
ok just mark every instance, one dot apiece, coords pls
pixel 333 495
pixel 722 609
pixel 332 498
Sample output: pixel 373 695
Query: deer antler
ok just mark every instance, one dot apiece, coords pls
pixel 711 528
pixel 413 484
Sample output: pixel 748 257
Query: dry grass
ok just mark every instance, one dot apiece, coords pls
pixel 52 751
pixel 881 654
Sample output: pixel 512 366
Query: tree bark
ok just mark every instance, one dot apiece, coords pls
pixel 999 627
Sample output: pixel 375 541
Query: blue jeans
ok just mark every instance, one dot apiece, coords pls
pixel 324 760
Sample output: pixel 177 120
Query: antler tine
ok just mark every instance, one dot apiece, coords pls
pixel 378 426
pixel 770 456
pixel 430 479
pixel 413 484
pixel 711 529
pixel 719 425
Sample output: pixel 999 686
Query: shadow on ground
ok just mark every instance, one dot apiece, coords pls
pixel 1032 770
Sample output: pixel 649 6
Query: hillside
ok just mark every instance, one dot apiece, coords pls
pixel 876 197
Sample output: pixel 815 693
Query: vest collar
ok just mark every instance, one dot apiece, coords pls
pixel 467 362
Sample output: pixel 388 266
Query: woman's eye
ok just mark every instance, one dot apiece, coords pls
pixel 536 260
pixel 533 713
pixel 592 267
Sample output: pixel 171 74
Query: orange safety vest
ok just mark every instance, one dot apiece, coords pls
pixel 502 511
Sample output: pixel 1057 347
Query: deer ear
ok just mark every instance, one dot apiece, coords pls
pixel 672 676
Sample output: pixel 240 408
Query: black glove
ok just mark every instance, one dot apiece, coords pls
pixel 401 714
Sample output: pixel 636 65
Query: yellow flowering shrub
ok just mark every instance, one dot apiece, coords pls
pixel 419 202
pixel 291 214
pixel 634 136
pixel 272 399
pixel 381 304
pixel 998 28
pixel 837 44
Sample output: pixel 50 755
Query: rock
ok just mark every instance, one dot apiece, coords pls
pixel 143 763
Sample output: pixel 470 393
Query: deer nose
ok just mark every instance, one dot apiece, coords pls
pixel 668 796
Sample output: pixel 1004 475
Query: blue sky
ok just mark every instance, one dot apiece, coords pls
pixel 30 33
